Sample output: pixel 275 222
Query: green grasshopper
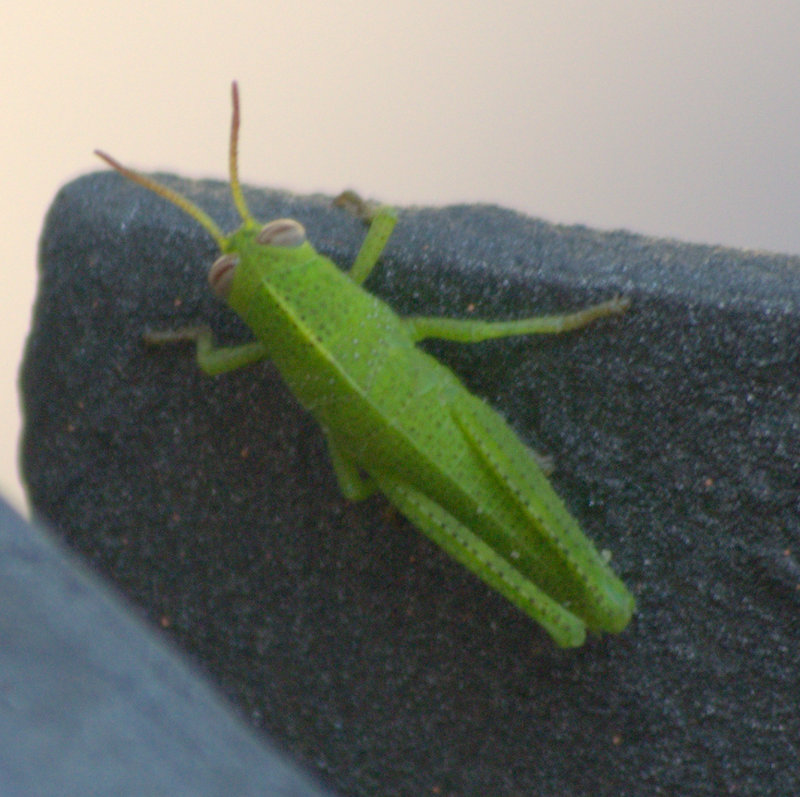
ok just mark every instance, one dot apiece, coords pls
pixel 397 420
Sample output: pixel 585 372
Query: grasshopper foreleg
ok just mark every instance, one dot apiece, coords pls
pixel 381 220
pixel 211 359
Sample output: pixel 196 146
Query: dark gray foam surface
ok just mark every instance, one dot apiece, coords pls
pixel 337 627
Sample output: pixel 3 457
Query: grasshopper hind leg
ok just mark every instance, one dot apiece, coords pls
pixel 467 548
pixel 585 582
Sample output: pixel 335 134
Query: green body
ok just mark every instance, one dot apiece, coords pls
pixel 399 421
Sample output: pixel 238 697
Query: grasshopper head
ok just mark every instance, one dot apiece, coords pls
pixel 281 232
pixel 286 233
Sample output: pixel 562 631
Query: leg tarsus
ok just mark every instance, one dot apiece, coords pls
pixel 356 205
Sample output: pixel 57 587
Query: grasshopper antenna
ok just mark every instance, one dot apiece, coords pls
pixel 233 161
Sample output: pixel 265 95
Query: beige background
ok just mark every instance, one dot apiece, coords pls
pixel 679 119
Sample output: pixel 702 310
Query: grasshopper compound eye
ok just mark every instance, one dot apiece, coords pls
pixel 220 275
pixel 282 232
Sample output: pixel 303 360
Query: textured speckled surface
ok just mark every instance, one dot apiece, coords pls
pixel 337 627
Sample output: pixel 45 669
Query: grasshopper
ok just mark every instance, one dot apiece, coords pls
pixel 396 419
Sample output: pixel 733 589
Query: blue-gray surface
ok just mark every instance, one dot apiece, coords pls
pixel 93 703
pixel 337 627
